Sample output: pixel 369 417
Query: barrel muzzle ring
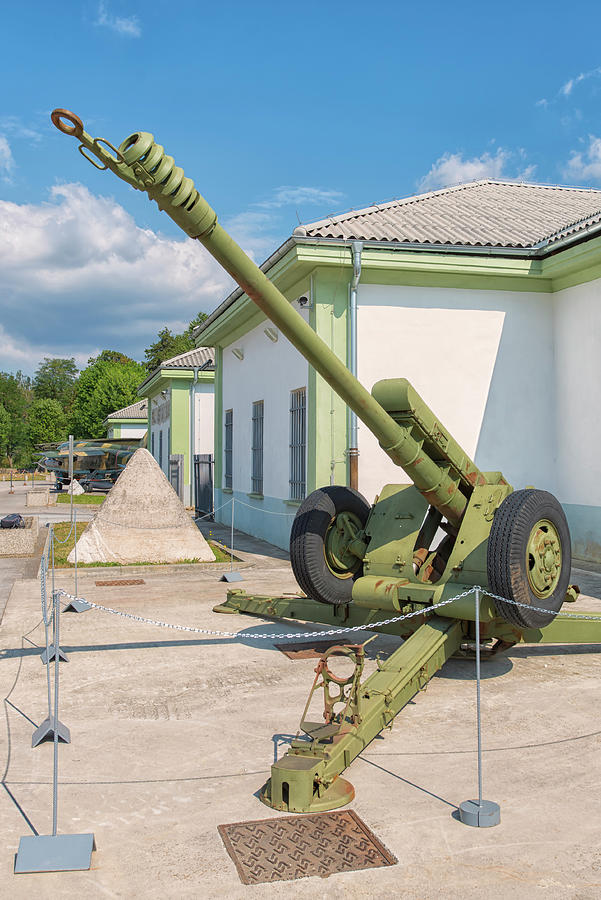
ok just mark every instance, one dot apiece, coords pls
pixel 76 126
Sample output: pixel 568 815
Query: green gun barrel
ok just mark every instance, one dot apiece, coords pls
pixel 145 166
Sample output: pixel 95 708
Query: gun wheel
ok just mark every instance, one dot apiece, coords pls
pixel 326 523
pixel 529 557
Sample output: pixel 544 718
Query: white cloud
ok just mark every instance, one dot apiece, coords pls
pixel 260 227
pixel 567 88
pixel 14 125
pixel 452 168
pixel 128 26
pixel 7 163
pixel 255 231
pixel 542 102
pixel 290 196
pixel 22 354
pixel 77 273
pixel 585 166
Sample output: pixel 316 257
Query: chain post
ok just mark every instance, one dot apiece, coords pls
pixel 479 813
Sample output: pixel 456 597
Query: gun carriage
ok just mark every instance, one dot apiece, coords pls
pixel 453 528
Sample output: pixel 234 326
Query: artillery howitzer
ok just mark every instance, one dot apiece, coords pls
pixel 354 562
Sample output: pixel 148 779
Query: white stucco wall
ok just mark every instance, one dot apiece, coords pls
pixel 204 418
pixel 482 360
pixel 268 372
pixel 578 431
pixel 578 384
pixel 135 432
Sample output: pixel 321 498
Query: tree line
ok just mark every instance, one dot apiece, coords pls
pixel 59 400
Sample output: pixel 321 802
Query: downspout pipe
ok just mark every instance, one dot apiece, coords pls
pixel 356 250
pixel 192 435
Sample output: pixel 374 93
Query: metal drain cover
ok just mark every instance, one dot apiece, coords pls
pixel 123 582
pixel 290 847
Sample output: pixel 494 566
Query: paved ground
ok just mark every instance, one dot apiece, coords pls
pixel 173 734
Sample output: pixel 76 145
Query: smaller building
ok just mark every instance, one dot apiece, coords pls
pixel 129 422
pixel 180 396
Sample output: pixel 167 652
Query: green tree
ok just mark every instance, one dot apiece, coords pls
pixel 111 356
pixel 47 421
pixel 55 380
pixel 169 344
pixel 5 424
pixel 107 384
pixel 166 346
pixel 117 387
pixel 196 321
pixel 16 396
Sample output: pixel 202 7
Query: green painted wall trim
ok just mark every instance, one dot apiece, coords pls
pixel 218 466
pixel 180 424
pixel 574 265
pixel 118 422
pixel 326 412
pixel 163 378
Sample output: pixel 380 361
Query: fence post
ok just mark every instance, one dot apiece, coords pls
pixel 479 813
pixel 51 728
pixel 55 853
pixel 231 575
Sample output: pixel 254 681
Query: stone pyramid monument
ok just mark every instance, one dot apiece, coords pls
pixel 141 520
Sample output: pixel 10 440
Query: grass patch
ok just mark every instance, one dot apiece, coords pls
pixel 86 499
pixel 62 551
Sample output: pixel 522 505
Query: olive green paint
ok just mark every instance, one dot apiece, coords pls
pixel 326 412
pixel 218 418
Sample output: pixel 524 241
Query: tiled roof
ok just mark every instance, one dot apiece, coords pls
pixel 200 356
pixel 137 410
pixel 478 214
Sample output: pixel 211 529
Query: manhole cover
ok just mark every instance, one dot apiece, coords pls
pixel 290 847
pixel 310 650
pixel 124 582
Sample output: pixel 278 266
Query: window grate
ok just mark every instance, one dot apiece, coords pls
pixel 228 448
pixel 257 448
pixel 298 441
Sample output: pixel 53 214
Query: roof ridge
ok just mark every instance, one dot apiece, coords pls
pixel 428 195
pixel 179 357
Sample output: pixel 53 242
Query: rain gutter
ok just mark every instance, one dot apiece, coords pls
pixel 356 249
pixel 535 251
pixel 192 434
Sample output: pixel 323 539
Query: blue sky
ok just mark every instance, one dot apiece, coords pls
pixel 280 113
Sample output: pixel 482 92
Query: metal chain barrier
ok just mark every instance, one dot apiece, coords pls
pixel 262 637
pixel 309 634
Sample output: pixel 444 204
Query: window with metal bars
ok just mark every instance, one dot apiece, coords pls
pixel 257 448
pixel 228 448
pixel 298 441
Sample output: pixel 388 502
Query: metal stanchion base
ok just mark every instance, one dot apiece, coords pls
pixel 77 606
pixel 231 576
pixel 54 853
pixel 45 732
pixel 49 656
pixel 484 816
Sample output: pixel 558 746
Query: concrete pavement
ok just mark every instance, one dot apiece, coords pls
pixel 174 733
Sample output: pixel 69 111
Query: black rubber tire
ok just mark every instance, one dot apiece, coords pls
pixel 307 543
pixel 506 556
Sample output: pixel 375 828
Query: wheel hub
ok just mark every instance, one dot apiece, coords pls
pixel 543 558
pixel 343 529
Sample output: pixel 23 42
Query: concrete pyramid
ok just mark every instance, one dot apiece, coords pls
pixel 141 520
pixel 75 488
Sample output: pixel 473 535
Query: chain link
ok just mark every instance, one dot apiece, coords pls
pixel 540 609
pixel 261 637
pixel 293 636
